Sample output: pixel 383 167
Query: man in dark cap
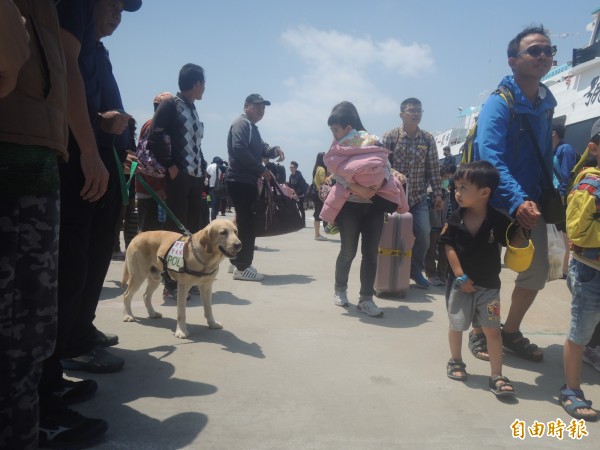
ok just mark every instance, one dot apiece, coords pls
pixel 246 150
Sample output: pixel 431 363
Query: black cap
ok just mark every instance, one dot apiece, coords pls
pixel 255 98
pixel 132 5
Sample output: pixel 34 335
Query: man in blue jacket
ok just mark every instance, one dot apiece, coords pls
pixel 503 139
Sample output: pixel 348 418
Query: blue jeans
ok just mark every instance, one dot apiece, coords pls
pixel 354 220
pixel 584 283
pixel 421 229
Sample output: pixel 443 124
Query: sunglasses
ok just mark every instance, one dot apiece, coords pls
pixel 414 111
pixel 537 50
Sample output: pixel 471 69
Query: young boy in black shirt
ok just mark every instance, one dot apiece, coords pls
pixel 471 238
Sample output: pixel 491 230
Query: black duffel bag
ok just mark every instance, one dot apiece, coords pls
pixel 274 213
pixel 551 204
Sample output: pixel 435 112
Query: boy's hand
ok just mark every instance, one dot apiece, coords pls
pixel 468 287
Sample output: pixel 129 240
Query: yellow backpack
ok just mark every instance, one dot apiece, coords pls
pixel 583 209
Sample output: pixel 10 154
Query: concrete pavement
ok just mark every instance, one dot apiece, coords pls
pixel 290 370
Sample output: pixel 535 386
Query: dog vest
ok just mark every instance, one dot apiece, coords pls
pixel 175 261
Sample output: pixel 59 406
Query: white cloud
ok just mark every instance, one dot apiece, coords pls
pixel 336 67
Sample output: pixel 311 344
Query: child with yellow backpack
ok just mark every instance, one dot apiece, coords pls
pixel 583 228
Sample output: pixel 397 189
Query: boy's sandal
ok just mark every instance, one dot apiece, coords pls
pixel 501 386
pixel 577 401
pixel 478 345
pixel 521 346
pixel 456 366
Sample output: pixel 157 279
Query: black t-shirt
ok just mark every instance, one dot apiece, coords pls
pixel 479 255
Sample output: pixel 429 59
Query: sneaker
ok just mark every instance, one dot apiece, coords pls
pixel 98 360
pixel 248 274
pixel 340 299
pixel 370 308
pixel 61 427
pixel 231 268
pixel 592 356
pixel 321 238
pixel 105 339
pixel 72 392
pixel 420 280
pixel 434 280
pixel 332 228
pixel 170 294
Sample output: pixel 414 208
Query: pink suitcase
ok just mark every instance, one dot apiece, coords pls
pixel 395 251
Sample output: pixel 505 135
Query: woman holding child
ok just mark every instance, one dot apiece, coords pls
pixel 365 188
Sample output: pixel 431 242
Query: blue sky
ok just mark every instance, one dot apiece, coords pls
pixel 306 56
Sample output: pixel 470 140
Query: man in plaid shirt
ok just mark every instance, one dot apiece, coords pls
pixel 414 155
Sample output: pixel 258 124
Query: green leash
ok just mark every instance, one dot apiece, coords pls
pixel 162 204
pixel 125 189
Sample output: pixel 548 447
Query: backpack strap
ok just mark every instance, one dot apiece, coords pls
pixel 576 169
pixel 467 148
pixel 591 184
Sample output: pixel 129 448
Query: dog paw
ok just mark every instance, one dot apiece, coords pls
pixel 128 318
pixel 215 325
pixel 181 334
pixel 155 315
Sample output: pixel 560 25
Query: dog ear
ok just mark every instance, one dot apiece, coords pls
pixel 205 241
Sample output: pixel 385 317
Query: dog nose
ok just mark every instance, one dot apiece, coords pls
pixel 238 246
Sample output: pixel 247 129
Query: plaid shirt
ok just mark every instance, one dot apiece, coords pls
pixel 417 159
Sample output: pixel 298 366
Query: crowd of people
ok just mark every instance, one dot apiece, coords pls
pixel 63 194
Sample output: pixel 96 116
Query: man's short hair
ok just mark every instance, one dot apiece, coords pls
pixel 446 148
pixel 559 129
pixel 409 101
pixel 481 173
pixel 189 75
pixel 294 163
pixel 514 44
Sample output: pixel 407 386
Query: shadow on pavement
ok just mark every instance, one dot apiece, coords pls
pixel 201 333
pixel 153 379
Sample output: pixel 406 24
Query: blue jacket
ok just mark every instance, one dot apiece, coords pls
pixel 503 140
pixel 564 160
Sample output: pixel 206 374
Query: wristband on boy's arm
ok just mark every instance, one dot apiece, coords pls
pixel 459 281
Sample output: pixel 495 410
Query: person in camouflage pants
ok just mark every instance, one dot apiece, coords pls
pixel 28 289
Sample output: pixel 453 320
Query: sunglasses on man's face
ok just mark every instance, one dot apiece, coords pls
pixel 537 50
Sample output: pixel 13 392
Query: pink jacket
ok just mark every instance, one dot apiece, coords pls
pixel 365 165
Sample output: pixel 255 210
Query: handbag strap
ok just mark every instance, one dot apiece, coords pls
pixel 538 152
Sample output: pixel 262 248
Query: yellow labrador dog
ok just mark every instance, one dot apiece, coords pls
pixel 201 252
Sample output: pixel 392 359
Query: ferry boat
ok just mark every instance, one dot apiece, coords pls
pixel 576 87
